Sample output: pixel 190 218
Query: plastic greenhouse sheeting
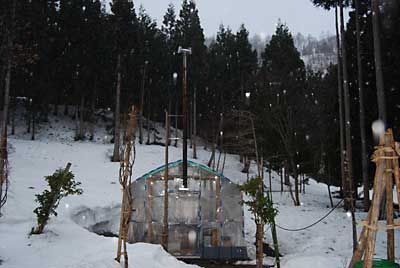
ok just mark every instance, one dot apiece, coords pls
pixel 197 217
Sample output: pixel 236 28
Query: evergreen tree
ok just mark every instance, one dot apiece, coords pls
pixel 280 100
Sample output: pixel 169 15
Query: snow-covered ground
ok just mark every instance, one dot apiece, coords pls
pixel 67 244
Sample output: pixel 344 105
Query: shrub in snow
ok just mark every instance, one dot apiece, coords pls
pixel 62 184
pixel 262 208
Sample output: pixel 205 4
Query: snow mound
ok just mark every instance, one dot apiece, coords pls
pixel 313 261
pixel 102 221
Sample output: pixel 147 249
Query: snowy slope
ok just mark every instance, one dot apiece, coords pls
pixel 67 244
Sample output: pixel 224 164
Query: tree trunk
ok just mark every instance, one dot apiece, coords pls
pixel 142 104
pixel 33 121
pixel 340 102
pixel 259 245
pixel 93 115
pixel 364 159
pixel 194 124
pixel 81 114
pixel 76 118
pixel 28 117
pixel 14 107
pixel 296 182
pixel 347 113
pixel 347 104
pixel 329 185
pixel 148 123
pixel 3 145
pixel 270 179
pixel 286 173
pixel 378 61
pixel 116 154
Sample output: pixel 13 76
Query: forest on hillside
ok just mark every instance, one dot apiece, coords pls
pixel 58 54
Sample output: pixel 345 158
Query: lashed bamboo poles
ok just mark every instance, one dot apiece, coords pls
pixel 125 174
pixel 386 157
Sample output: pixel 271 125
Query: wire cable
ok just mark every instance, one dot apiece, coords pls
pixel 313 224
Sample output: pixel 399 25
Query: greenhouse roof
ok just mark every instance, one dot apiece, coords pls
pixel 178 163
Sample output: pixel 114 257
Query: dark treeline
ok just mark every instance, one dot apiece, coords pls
pixel 72 53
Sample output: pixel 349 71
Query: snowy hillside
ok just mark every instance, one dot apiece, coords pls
pixel 67 243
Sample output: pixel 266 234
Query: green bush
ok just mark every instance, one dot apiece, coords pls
pixel 62 184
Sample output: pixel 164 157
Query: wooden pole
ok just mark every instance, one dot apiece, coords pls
pixel 149 210
pixel 379 190
pixel 124 179
pixel 389 198
pixel 396 170
pixel 116 153
pixel 218 210
pixel 165 218
pixel 387 163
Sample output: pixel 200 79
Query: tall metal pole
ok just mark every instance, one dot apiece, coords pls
pixel 184 52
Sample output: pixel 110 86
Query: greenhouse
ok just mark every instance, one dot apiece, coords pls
pixel 205 219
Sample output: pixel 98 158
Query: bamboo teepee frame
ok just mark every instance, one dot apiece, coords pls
pixel 125 174
pixel 386 157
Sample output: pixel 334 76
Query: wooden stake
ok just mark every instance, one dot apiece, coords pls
pixel 379 190
pixel 389 199
pixel 218 209
pixel 149 210
pixel 166 175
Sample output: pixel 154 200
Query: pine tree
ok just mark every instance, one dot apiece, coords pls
pixel 282 86
pixel 247 61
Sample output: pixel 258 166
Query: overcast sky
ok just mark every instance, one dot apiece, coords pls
pixel 259 16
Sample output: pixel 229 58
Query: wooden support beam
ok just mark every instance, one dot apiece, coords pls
pixel 218 210
pixel 389 199
pixel 166 176
pixel 149 211
pixel 386 157
pixel 379 190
